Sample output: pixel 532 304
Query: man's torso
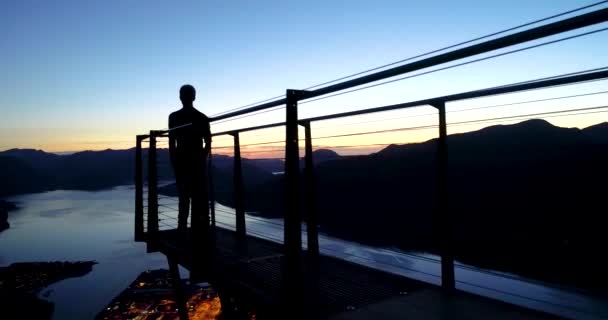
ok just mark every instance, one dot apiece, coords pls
pixel 191 126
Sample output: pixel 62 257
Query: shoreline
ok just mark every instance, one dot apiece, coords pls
pixel 5 207
pixel 20 284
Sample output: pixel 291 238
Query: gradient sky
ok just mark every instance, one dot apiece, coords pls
pixel 77 75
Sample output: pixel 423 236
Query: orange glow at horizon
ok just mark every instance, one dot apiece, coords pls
pixel 347 145
pixel 341 135
pixel 370 143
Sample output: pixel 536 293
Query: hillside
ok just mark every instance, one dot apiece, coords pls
pixel 17 176
pixel 28 170
pixel 524 198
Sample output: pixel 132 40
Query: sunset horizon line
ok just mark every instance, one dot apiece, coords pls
pixel 371 147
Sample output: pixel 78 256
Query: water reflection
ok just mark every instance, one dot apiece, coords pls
pixel 79 225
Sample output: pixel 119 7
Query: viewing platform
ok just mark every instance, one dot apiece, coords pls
pixel 250 271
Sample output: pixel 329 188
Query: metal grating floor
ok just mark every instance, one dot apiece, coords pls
pixel 255 265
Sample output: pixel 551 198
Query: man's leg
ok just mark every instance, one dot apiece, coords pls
pixel 184 204
pixel 200 229
pixel 200 207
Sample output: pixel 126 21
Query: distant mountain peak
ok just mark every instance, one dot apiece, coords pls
pixel 29 154
pixel 535 122
pixel 390 148
pixel 18 150
pixel 528 132
pixel 598 132
pixel 599 126
pixel 530 129
pixel 532 124
pixel 326 153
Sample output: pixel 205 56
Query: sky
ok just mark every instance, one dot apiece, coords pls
pixel 90 75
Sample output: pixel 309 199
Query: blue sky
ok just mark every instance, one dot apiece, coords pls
pixel 92 74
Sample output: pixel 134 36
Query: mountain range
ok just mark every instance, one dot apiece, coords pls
pixel 526 198
pixel 28 170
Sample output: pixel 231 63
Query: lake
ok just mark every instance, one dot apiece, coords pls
pixel 81 225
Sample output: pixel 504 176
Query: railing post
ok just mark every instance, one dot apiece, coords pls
pixel 445 221
pixel 139 190
pixel 312 230
pixel 152 188
pixel 239 189
pixel 292 221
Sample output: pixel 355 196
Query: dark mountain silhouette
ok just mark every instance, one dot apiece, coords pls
pixel 95 169
pixel 598 132
pixel 526 198
pixel 28 170
pixel 21 283
pixel 17 176
pixel 268 165
pixel 222 161
pixel 34 158
pixel 322 155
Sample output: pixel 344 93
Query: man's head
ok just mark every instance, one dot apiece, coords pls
pixel 187 94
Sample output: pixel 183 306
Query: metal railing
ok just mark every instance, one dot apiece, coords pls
pixel 147 222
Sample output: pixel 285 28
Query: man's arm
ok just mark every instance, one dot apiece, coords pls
pixel 172 144
pixel 207 138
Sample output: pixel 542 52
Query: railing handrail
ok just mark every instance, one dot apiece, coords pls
pixel 569 24
pixel 473 94
pixel 584 76
pixel 577 22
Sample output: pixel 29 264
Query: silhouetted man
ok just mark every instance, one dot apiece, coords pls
pixel 188 128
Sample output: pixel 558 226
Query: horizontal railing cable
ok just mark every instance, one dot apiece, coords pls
pixel 428 72
pixel 467 109
pixel 475 94
pixel 543 31
pixel 231 214
pixel 255 113
pixel 596 74
pixel 165 215
pixel 460 44
pixel 164 202
pixel 461 122
pixel 168 207
pixel 454 66
pixel 425 54
pixel 426 127
pixel 563 75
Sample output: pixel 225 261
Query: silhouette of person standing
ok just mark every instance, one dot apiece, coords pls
pixel 188 128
